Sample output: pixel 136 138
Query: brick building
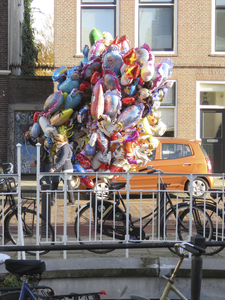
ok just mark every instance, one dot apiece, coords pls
pixel 189 32
pixel 20 96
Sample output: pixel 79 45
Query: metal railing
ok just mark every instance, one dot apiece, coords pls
pixel 125 227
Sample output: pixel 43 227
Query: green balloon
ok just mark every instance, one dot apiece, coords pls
pixel 95 35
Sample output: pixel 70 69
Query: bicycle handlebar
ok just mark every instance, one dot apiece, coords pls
pixel 153 170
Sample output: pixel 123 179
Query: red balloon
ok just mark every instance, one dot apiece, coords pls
pixel 128 100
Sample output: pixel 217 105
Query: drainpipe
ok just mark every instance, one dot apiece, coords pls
pixel 11 32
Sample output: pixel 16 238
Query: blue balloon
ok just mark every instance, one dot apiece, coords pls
pixel 68 85
pixel 78 168
pixel 73 99
pixel 36 130
pixel 59 73
pixel 89 150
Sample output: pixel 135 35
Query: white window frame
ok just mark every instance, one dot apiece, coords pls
pixel 175 31
pixel 175 109
pixel 213 33
pixel 79 5
pixel 204 86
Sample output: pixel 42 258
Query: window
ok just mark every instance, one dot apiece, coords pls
pixel 171 151
pixel 99 14
pixel 167 110
pixel 157 24
pixel 219 25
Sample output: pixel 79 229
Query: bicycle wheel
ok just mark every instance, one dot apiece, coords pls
pixel 94 225
pixel 29 223
pixel 218 228
pixel 177 224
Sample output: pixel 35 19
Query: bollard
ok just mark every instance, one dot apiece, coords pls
pixel 196 268
pixel 45 207
pixel 161 208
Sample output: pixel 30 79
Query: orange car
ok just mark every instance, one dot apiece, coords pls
pixel 175 155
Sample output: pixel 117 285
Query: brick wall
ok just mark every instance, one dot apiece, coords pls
pixel 20 90
pixel 192 63
pixel 29 90
pixel 4 35
pixel 3 116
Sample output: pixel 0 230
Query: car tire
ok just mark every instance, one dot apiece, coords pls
pixel 200 186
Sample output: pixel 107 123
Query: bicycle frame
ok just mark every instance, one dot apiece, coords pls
pixel 26 291
pixel 160 211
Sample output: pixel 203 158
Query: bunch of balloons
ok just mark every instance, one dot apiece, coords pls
pixel 112 98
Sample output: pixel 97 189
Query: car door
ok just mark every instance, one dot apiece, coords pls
pixel 138 182
pixel 176 158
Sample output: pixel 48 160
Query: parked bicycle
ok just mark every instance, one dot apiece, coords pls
pixel 9 215
pixel 30 273
pixel 214 207
pixel 182 249
pixel 105 220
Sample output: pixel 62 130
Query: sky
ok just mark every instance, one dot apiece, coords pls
pixel 46 7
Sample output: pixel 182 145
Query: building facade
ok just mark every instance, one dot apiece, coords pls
pixel 189 32
pixel 20 96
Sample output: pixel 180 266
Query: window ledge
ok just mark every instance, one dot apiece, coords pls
pixel 217 55
pixel 166 54
pixel 5 72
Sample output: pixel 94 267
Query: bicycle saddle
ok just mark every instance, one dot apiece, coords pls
pixel 25 267
pixel 117 185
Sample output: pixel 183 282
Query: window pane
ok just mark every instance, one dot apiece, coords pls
pixel 187 151
pixel 156 27
pixel 170 97
pixel 220 32
pixel 220 2
pixel 168 118
pixel 171 151
pixel 24 122
pixel 100 18
pixel 212 98
pixel 98 1
pixel 212 128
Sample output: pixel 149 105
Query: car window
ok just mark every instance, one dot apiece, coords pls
pixel 187 151
pixel 173 151
pixel 152 156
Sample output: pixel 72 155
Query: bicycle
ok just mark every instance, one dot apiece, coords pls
pixel 105 221
pixel 214 207
pixel 29 217
pixel 180 250
pixel 30 272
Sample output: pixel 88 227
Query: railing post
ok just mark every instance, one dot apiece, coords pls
pixel 196 268
pixel 191 204
pixel 161 206
pixel 38 145
pixel 46 205
pixel 128 213
pixel 20 225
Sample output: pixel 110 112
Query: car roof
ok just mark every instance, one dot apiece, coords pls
pixel 178 140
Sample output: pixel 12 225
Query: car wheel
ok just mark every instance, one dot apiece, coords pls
pixel 200 186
